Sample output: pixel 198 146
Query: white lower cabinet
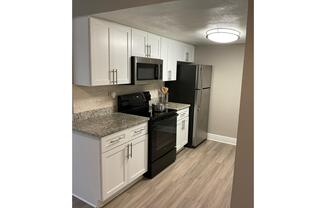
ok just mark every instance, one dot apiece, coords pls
pixel 104 167
pixel 182 128
pixel 125 163
pixel 137 162
pixel 114 171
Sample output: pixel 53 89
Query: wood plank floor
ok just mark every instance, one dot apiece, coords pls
pixel 200 178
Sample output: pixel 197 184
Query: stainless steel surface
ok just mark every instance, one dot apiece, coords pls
pixel 206 76
pixel 202 118
pixel 195 115
pixel 144 60
pixel 197 81
pixel 158 107
pixel 201 108
pixel 203 76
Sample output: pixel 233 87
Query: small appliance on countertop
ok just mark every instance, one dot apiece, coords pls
pixel 161 130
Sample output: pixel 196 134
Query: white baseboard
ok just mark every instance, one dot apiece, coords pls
pixel 222 139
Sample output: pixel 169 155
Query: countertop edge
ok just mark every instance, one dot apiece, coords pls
pixel 99 136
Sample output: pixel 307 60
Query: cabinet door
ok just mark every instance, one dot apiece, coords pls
pixel 191 53
pixel 99 52
pixel 173 51
pixel 138 43
pixel 179 135
pixel 137 162
pixel 164 56
pixel 114 171
pixel 120 39
pixel 153 42
pixel 184 126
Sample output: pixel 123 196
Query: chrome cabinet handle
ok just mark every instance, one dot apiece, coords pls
pixel 145 47
pixel 150 50
pixel 140 130
pixel 183 124
pixel 128 151
pixel 116 140
pixel 131 150
pixel 116 76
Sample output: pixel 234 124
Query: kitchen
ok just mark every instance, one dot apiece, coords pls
pixel 149 90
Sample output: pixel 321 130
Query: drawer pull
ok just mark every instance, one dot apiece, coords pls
pixel 114 141
pixel 138 131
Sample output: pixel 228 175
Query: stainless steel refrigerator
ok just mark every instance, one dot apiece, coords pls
pixel 193 87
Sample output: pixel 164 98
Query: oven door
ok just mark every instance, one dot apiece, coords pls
pixel 146 70
pixel 162 137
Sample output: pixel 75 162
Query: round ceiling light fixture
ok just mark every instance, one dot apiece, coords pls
pixel 223 35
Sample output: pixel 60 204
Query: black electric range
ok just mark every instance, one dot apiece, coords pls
pixel 161 130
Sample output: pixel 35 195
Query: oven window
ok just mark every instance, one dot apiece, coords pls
pixel 146 71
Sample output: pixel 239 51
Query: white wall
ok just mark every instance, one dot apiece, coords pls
pixel 227 61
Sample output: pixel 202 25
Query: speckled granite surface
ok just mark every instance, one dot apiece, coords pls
pixel 102 122
pixel 177 106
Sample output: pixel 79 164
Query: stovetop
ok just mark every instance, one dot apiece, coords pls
pixel 138 104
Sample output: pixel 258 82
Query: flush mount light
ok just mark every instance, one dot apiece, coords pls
pixel 222 35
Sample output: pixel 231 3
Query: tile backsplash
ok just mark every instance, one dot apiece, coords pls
pixel 90 98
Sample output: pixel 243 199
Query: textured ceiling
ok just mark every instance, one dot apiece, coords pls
pixel 185 20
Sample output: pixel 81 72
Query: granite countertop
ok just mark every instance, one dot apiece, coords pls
pixel 177 106
pixel 103 124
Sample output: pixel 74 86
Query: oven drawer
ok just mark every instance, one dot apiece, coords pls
pixel 183 113
pixel 114 140
pixel 138 131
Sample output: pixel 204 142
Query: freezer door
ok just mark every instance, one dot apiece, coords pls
pixel 201 110
pixel 206 76
pixel 203 76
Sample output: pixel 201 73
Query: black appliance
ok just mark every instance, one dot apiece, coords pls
pixel 146 70
pixel 193 87
pixel 161 130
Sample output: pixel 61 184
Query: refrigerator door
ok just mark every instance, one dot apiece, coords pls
pixel 206 76
pixel 201 110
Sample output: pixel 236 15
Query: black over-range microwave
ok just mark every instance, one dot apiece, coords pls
pixel 146 70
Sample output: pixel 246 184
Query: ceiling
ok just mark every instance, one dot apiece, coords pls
pixel 185 20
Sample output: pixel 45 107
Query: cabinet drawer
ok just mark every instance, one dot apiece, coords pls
pixel 183 113
pixel 114 140
pixel 138 131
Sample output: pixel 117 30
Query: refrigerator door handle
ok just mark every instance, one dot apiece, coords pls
pixel 201 86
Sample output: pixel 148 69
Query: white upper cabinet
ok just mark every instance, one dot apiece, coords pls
pixel 185 52
pixel 153 43
pixel 145 44
pixel 120 52
pixel 173 51
pixel 102 52
pixel 138 43
pixel 188 53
